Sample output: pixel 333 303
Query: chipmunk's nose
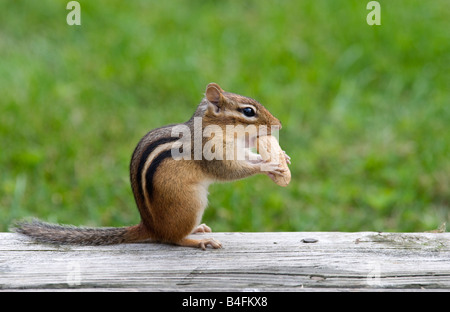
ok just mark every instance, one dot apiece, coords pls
pixel 277 124
pixel 280 125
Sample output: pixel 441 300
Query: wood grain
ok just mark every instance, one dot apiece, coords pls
pixel 247 262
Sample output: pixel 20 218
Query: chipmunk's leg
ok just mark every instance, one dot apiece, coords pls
pixel 200 243
pixel 202 228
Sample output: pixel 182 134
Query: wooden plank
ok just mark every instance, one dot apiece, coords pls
pixel 248 262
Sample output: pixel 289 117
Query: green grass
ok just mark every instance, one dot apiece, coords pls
pixel 365 109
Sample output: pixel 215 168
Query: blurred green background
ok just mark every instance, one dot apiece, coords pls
pixel 365 109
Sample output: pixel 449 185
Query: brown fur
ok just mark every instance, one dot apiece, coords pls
pixel 171 206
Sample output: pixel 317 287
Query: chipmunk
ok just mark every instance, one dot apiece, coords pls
pixel 171 193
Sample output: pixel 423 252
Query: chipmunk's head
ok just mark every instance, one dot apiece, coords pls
pixel 227 108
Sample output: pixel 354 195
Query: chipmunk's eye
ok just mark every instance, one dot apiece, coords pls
pixel 248 111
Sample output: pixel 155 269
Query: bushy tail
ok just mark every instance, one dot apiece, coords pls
pixel 69 234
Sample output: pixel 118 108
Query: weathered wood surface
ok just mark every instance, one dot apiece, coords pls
pixel 248 262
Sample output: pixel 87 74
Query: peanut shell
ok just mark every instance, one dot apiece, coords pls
pixel 269 149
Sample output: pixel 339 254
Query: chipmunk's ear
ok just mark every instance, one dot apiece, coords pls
pixel 214 94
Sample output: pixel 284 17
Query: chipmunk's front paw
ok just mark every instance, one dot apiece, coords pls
pixel 287 157
pixel 272 168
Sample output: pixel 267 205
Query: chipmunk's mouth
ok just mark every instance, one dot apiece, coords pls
pixel 252 154
pixel 251 142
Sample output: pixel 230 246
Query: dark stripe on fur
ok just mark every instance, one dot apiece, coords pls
pixel 143 159
pixel 152 169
